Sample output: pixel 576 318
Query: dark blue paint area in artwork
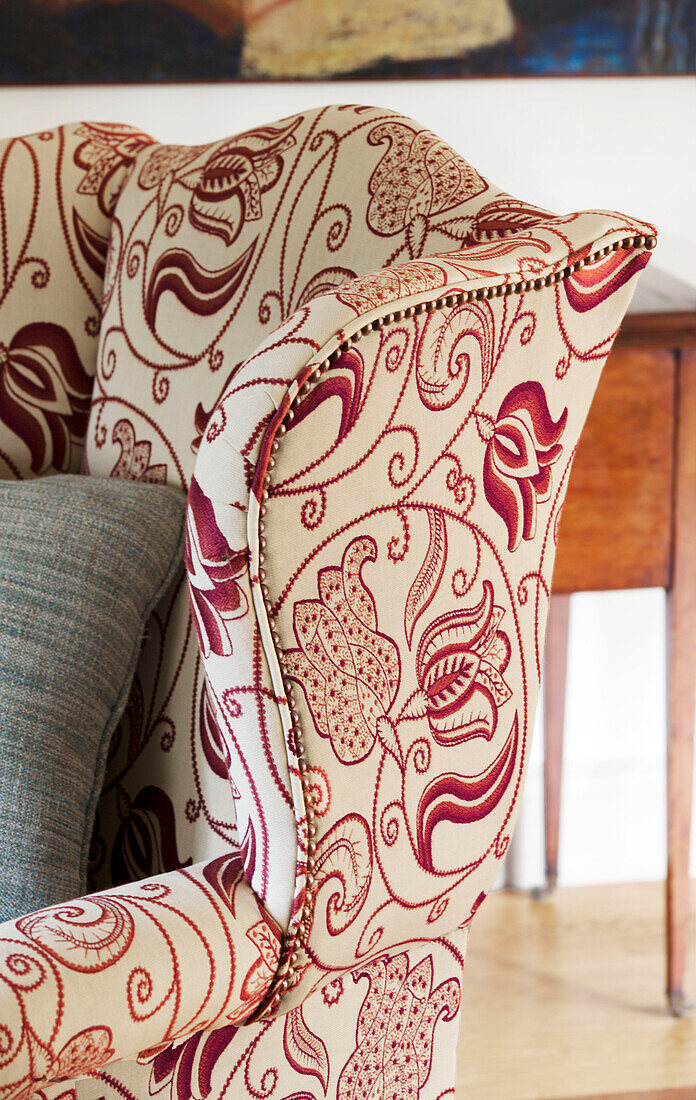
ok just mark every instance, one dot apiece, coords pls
pixel 596 43
pixel 626 36
pixel 149 40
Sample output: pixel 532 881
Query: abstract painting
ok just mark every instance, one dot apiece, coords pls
pixel 78 41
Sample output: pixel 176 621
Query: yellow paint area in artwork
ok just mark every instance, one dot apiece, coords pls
pixel 321 38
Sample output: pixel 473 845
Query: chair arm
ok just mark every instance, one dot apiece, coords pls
pixel 118 973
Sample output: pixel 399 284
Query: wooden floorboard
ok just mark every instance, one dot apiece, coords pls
pixel 563 1000
pixel 661 1094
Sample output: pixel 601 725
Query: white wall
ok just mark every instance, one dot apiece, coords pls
pixel 627 144
pixel 613 821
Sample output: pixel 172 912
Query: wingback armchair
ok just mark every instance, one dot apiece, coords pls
pixel 369 368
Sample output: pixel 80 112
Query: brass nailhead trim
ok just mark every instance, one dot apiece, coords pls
pixel 289 974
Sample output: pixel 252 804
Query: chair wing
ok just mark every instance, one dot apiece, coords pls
pixel 401 528
pixel 214 249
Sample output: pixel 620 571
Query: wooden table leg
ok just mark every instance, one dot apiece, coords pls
pixel 681 639
pixel 555 668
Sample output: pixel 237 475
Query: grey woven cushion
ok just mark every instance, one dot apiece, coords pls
pixel 83 561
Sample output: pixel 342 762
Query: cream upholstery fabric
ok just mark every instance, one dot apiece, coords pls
pixel 417 424
pixel 58 190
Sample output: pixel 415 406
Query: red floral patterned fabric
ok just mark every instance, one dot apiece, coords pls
pixel 212 248
pixel 333 328
pixel 58 191
pixel 470 668
pixel 114 974
pixel 388 1029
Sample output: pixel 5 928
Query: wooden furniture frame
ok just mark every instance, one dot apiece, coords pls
pixel 639 531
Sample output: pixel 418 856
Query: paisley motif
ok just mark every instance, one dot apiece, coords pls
pixel 419 176
pixel 395 1029
pixel 88 935
pixel 454 352
pixel 347 669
